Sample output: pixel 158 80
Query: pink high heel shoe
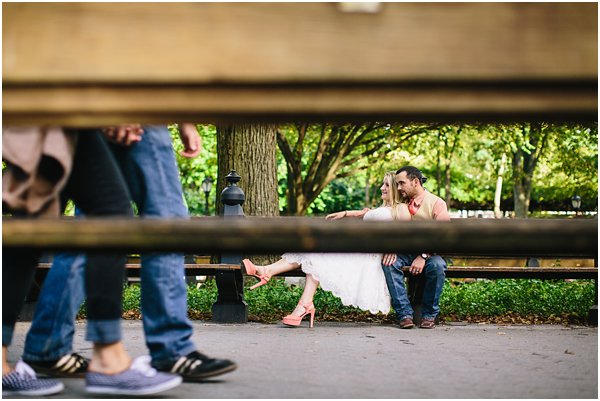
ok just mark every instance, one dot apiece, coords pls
pixel 292 320
pixel 251 270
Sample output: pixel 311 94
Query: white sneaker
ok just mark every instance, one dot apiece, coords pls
pixel 139 379
pixel 23 381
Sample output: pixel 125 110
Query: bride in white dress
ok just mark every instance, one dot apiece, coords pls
pixel 356 278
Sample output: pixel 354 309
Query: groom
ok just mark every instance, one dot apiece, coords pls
pixel 422 205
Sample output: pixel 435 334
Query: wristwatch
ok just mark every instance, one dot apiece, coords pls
pixel 425 256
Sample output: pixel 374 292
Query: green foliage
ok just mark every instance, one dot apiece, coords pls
pixel 202 299
pixel 518 296
pixel 131 300
pixel 271 302
pixel 341 194
pixel 131 297
pixel 193 171
pixel 568 166
pixel 317 154
pixel 482 298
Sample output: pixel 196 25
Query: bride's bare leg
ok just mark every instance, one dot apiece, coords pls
pixel 276 268
pixel 310 288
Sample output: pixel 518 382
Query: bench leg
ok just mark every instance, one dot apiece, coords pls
pixel 593 312
pixel 593 316
pixel 230 306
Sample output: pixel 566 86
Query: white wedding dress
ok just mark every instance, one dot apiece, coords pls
pixel 356 278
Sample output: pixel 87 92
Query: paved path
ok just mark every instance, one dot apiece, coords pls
pixel 341 360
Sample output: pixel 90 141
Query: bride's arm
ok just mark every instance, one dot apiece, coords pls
pixel 347 213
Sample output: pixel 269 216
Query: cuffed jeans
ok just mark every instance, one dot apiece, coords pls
pixel 435 275
pixel 51 333
pixel 150 170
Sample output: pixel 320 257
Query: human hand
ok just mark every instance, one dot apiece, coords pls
pixel 191 140
pixel 389 259
pixel 125 134
pixel 417 266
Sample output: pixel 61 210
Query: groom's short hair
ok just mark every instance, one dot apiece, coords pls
pixel 412 173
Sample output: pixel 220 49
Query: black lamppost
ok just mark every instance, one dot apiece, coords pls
pixel 206 187
pixel 576 203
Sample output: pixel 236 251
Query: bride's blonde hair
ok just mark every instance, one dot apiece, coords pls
pixel 394 199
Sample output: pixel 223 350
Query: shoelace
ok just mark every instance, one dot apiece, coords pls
pixel 25 370
pixel 142 364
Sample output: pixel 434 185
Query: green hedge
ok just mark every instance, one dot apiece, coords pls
pixel 522 297
pixel 528 300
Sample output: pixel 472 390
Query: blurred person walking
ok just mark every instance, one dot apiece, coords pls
pixel 45 168
pixel 150 170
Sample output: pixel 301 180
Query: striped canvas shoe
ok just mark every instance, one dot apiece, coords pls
pixel 196 366
pixel 70 365
pixel 139 379
pixel 23 381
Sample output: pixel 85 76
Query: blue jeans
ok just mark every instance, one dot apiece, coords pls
pixel 51 333
pixel 152 176
pixel 435 275
pixel 97 186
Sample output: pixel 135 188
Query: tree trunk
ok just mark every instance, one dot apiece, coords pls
pixel 368 190
pixel 449 150
pixel 524 164
pixel 521 200
pixel 438 165
pixel 498 193
pixel 447 189
pixel 250 150
pixel 522 187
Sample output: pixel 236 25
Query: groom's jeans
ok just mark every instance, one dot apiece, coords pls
pixel 434 274
pixel 152 176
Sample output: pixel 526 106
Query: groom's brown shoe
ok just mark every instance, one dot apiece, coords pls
pixel 406 323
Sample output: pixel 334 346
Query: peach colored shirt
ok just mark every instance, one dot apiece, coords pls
pixel 440 210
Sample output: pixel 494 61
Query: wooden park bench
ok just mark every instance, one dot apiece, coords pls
pixel 501 267
pixel 587 272
pixel 585 269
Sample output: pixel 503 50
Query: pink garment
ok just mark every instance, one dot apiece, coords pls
pixel 412 207
pixel 26 183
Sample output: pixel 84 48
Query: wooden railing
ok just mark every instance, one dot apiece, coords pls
pixel 576 237
pixel 245 62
